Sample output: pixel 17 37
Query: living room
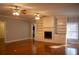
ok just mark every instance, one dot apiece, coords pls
pixel 39 28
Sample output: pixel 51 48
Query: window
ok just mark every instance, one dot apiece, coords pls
pixel 72 30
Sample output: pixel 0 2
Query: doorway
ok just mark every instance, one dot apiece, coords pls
pixel 33 31
pixel 2 37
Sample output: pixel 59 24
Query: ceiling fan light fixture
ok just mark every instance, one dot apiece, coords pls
pixel 37 16
pixel 16 14
pixel 16 11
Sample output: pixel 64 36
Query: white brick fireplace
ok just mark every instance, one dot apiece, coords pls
pixel 47 24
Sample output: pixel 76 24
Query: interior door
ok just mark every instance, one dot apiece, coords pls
pixel 2 37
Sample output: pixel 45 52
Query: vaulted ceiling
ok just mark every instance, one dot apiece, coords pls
pixel 45 9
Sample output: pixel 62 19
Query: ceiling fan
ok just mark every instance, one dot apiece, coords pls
pixel 27 10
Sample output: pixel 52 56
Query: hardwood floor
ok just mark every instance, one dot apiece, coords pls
pixel 25 48
pixel 21 47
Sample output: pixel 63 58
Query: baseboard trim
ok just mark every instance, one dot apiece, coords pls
pixel 16 40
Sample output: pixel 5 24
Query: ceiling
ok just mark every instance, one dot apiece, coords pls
pixel 45 9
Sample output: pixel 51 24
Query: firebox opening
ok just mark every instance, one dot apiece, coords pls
pixel 48 35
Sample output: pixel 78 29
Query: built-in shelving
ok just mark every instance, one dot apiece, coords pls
pixel 60 25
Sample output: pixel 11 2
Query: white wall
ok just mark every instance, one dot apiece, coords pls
pixel 17 30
